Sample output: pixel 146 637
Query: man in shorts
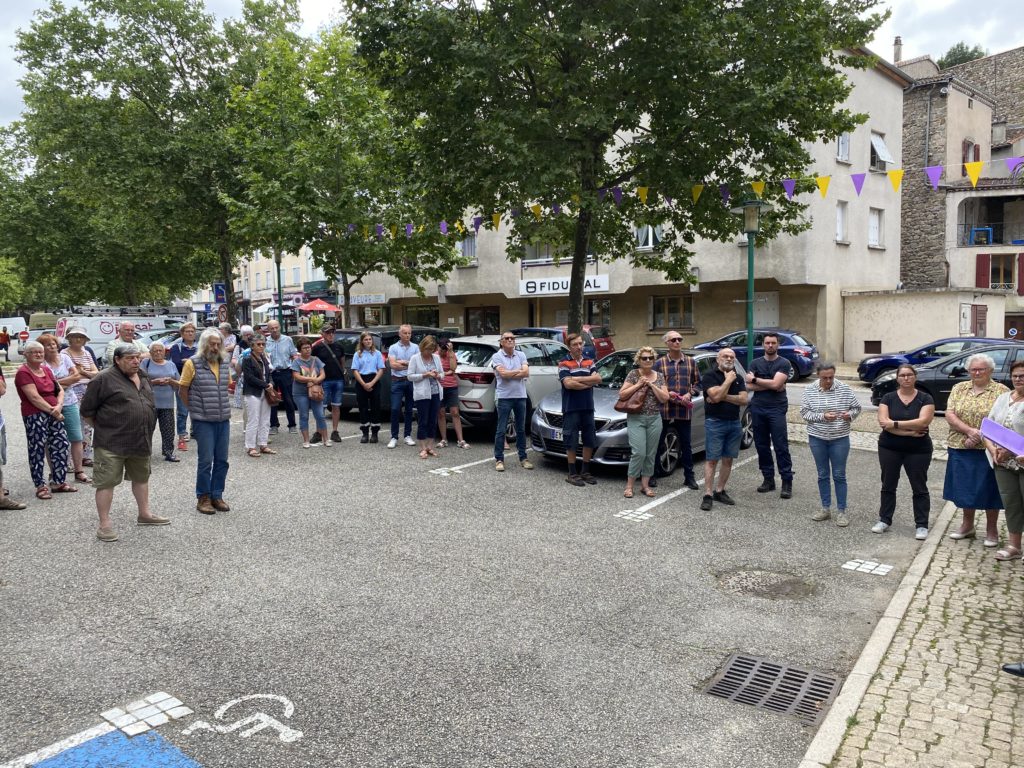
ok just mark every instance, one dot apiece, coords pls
pixel 119 405
pixel 331 354
pixel 576 374
pixel 724 395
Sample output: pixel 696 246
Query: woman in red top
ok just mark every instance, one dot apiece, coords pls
pixel 449 394
pixel 42 401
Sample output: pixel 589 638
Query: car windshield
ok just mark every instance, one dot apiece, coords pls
pixel 474 354
pixel 600 331
pixel 614 369
pixel 798 339
pixel 348 341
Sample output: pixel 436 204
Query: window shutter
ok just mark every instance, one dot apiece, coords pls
pixel 977 152
pixel 650 313
pixel 983 271
pixel 1020 274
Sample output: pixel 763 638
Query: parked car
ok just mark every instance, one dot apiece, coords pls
pixel 383 337
pixel 476 377
pixel 792 345
pixel 938 377
pixel 612 439
pixel 873 366
pixel 558 334
pixel 602 339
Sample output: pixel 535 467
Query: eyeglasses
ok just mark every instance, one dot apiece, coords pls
pixel 978 370
pixel 906 376
pixel 647 358
pixel 1017 376
pixel 675 340
pixel 258 344
pixel 508 338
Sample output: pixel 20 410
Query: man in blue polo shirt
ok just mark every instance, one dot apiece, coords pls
pixel 510 374
pixel 399 354
pixel 578 379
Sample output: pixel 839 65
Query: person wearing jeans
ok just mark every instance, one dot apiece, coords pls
pixel 510 374
pixel 766 380
pixel 829 407
pixel 399 354
pixel 281 351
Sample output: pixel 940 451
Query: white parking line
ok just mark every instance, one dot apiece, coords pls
pixel 669 496
pixel 449 471
pixel 61 746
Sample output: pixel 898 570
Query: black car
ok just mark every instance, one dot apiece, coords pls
pixel 938 378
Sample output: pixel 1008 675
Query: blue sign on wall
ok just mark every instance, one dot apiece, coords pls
pixel 220 295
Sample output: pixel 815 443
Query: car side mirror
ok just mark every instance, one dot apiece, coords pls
pixel 959 371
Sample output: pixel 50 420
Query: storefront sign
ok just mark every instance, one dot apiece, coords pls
pixel 558 286
pixel 360 299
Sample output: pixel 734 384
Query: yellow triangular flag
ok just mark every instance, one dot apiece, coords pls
pixel 496 218
pixel 823 182
pixel 458 226
pixel 695 191
pixel 641 192
pixel 758 187
pixel 536 210
pixel 576 199
pixel 394 231
pixel 973 171
pixel 896 177
pixel 366 231
pixel 420 229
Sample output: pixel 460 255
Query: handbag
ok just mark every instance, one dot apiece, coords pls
pixel 632 404
pixel 273 396
pixel 316 393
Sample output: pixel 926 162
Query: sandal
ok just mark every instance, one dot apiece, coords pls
pixel 254 452
pixel 424 455
pixel 628 493
pixel 81 477
pixel 463 444
pixel 443 444
pixel 432 452
pixel 42 492
pixel 86 462
pixel 271 451
pixel 648 493
pixel 63 488
pixel 1007 553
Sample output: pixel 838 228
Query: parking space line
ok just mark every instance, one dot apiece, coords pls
pixel 61 746
pixel 643 508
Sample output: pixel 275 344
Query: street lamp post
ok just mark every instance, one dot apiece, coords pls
pixel 751 212
pixel 280 295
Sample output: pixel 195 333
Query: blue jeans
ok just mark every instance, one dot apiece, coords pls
pixel 770 430
pixel 182 417
pixel 303 404
pixel 212 438
pixel 426 417
pixel 333 389
pixel 830 459
pixel 517 405
pixel 401 388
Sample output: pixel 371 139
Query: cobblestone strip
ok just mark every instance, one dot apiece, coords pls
pixel 864 441
pixel 935 695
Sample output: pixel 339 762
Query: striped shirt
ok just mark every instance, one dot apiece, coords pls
pixel 817 402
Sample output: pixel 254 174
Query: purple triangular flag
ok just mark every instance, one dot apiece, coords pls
pixel 477 221
pixel 723 190
pixel 444 227
pixel 858 181
pixel 668 201
pixel 1013 163
pixel 556 209
pixel 408 230
pixel 601 193
pixel 790 186
pixel 617 194
pixel 380 231
pixel 934 174
pixel 351 228
pixel 515 213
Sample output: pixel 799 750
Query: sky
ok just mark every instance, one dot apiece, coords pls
pixel 926 28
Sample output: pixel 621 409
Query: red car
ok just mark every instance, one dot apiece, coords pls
pixel 602 336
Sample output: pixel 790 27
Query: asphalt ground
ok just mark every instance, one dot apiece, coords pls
pixel 413 618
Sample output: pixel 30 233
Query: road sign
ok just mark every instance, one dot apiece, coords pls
pixel 222 313
pixel 23 336
pixel 220 295
pixel 1012 332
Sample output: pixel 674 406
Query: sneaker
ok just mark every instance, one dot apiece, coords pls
pixel 723 497
pixel 409 440
pixel 182 445
pixel 393 442
pixel 273 430
pixel 821 515
pixel 879 527
pixel 307 445
pixel 328 444
pixel 292 430
pixel 705 503
pixel 335 437
pixel 106 534
pixel 842 519
pixel 767 486
pixel 575 480
pixel 499 466
pixel 526 464
pixel 921 534
pixel 315 438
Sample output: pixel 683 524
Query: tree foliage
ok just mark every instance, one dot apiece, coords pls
pixel 959 53
pixel 520 102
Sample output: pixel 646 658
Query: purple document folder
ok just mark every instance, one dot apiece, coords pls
pixel 1003 437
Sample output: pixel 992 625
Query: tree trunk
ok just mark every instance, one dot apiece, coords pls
pixel 346 295
pixel 581 244
pixel 227 268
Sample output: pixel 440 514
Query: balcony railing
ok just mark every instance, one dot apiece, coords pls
pixel 990 233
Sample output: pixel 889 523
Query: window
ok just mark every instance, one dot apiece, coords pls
pixel 238 283
pixel 670 312
pixel 876 221
pixel 1002 272
pixel 467 249
pixel 843 148
pixel 971 152
pixel 880 155
pixel 539 253
pixel 427 314
pixel 648 236
pixel 259 281
pixel 376 316
pixel 482 321
pixel 536 355
pixel 309 270
pixel 295 276
pixel 599 312
pixel 842 211
pixel 270 283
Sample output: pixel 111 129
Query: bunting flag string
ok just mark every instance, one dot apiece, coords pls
pixel 695 192
pixel 896 178
pixel 858 181
pixel 823 182
pixel 758 187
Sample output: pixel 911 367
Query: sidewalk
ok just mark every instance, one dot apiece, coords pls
pixel 928 689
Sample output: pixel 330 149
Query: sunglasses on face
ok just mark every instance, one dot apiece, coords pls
pixel 508 338
pixel 674 341
pixel 647 358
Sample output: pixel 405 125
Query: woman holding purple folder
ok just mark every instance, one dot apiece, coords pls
pixel 1009 412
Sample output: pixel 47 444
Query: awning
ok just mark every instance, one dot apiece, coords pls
pixel 880 149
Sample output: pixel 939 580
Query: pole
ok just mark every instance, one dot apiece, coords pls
pixel 280 295
pixel 750 299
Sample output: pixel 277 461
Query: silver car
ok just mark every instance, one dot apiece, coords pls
pixel 612 440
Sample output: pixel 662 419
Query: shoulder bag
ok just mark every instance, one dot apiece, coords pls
pixel 316 391
pixel 632 404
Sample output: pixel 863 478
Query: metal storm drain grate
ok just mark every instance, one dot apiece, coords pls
pixel 775 687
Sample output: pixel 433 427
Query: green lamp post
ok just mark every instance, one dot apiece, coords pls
pixel 751 212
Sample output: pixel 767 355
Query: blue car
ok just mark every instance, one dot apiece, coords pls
pixel 873 366
pixel 792 346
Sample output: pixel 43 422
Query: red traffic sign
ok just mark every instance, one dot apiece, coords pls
pixel 222 313
pixel 23 336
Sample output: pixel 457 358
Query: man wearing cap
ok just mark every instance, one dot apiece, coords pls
pixel 120 407
pixel 331 354
pixel 84 361
pixel 125 335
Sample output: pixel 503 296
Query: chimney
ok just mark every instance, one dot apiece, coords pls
pixel 897 50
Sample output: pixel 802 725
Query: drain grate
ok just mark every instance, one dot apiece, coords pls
pixel 764 684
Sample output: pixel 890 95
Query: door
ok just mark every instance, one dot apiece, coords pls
pixel 766 309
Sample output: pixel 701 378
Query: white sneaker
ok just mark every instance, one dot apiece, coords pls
pixel 842 519
pixel 409 440
pixel 328 443
pixel 306 445
pixel 820 515
pixel 393 442
pixel 922 534
pixel 879 527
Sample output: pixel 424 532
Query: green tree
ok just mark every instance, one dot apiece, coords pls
pixel 525 102
pixel 960 53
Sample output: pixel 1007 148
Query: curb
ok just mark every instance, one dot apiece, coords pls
pixel 830 735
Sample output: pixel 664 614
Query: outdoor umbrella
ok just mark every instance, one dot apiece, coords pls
pixel 318 305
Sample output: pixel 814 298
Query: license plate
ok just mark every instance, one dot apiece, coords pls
pixel 556 434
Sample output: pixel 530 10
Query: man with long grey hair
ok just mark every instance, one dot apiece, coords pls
pixel 204 389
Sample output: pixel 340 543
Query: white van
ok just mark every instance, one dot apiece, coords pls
pixel 102 330
pixel 14 326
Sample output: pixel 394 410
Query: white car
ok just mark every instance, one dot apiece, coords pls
pixel 476 377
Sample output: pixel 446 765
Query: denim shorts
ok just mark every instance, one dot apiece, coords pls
pixel 575 421
pixel 333 389
pixel 722 439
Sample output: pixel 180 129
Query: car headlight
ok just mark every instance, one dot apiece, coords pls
pixel 615 425
pixel 872 360
pixel 885 378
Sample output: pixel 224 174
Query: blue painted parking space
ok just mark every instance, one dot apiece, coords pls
pixel 117 750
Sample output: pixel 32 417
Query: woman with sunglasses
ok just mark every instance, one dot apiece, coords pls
pixel 1008 411
pixel 904 416
pixel 644 428
pixel 256 383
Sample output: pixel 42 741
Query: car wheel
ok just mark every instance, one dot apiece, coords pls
pixel 669 453
pixel 747 424
pixel 792 374
pixel 510 427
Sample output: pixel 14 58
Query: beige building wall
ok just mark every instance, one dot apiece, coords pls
pixel 967 118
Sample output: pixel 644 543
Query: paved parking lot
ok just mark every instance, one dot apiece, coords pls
pixel 403 616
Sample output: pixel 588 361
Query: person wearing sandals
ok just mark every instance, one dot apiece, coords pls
pixel 449 394
pixel 120 405
pixel 5 502
pixel 577 378
pixel 42 410
pixel 1008 410
pixel 307 371
pixel 257 381
pixel 77 338
pixel 67 376
pixel 904 416
pixel 163 378
pixel 180 351
pixel 367 370
pixel 425 373
pixel 970 482
pixel 644 428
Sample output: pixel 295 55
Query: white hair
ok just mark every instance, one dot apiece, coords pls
pixel 203 346
pixel 981 357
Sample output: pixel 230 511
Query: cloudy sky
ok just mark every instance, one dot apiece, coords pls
pixel 926 28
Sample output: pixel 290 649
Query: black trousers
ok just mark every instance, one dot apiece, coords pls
pixel 165 418
pixel 283 383
pixel 369 404
pixel 916 467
